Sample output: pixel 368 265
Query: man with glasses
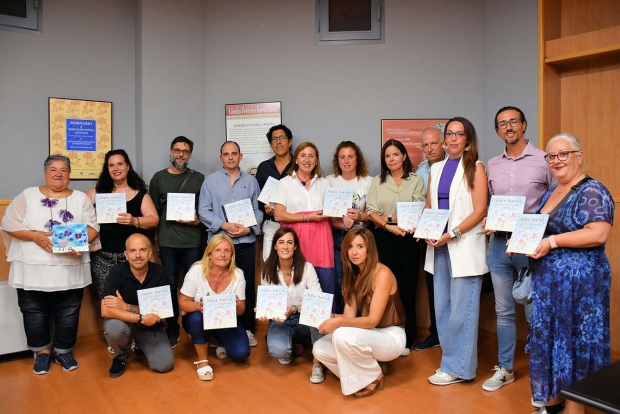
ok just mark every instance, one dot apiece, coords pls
pixel 521 170
pixel 178 241
pixel 280 139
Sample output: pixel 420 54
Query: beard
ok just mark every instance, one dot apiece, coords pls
pixel 178 165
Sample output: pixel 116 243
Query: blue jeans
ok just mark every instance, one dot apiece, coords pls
pixel 235 340
pixel 172 258
pixel 280 336
pixel 504 270
pixel 339 236
pixel 457 308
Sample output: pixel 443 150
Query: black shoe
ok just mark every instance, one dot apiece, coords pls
pixel 174 339
pixel 429 343
pixel 118 366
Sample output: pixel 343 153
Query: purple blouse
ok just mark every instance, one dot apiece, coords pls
pixel 443 191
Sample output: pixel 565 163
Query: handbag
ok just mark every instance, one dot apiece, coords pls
pixel 522 288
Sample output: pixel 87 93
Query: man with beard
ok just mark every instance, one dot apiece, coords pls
pixel 124 320
pixel 178 241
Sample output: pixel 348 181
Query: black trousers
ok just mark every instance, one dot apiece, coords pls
pixel 246 260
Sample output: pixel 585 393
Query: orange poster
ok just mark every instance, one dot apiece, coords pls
pixel 409 131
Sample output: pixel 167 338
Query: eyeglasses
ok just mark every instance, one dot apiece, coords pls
pixel 562 156
pixel 278 138
pixel 504 124
pixel 459 134
pixel 177 151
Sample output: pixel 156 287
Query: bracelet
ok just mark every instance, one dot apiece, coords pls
pixel 295 308
pixel 138 225
pixel 140 319
pixel 457 233
pixel 194 305
pixel 552 242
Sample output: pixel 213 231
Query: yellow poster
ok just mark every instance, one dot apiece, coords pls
pixel 81 130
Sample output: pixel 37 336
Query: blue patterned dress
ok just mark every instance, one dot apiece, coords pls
pixel 569 332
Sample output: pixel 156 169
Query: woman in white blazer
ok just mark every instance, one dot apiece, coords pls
pixel 458 259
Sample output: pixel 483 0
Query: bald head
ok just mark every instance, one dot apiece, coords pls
pixel 138 252
pixel 137 237
pixel 432 139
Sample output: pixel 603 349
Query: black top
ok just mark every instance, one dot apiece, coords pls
pixel 268 169
pixel 113 235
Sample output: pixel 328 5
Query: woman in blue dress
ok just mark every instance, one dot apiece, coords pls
pixel 571 277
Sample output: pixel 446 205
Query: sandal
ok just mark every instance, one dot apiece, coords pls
pixel 367 392
pixel 220 351
pixel 204 373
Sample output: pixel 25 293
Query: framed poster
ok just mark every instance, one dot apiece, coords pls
pixel 247 124
pixel 81 130
pixel 409 132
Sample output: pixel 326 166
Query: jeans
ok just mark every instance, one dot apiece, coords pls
pixel 504 270
pixel 280 336
pixel 246 260
pixel 172 258
pixel 235 340
pixel 457 308
pixel 63 307
pixel 339 236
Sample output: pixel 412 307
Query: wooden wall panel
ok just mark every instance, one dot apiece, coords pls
pixel 4 265
pixel 574 17
pixel 603 14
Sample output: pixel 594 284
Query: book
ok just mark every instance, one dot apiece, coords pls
pixel 240 212
pixel 156 300
pixel 271 302
pixel 181 206
pixel 408 213
pixel 503 212
pixel 528 232
pixel 109 205
pixel 432 224
pixel 67 237
pixel 219 311
pixel 268 189
pixel 316 307
pixel 336 201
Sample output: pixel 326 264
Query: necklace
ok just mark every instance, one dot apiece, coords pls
pixel 65 215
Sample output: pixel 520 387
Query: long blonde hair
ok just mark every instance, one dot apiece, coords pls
pixel 205 262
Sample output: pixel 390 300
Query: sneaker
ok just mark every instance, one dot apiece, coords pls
pixel 317 376
pixel 135 348
pixel 429 343
pixel 251 339
pixel 174 340
pixel 42 363
pixel 111 350
pixel 441 378
pixel 405 352
pixel 499 379
pixel 286 361
pixel 118 366
pixel 67 361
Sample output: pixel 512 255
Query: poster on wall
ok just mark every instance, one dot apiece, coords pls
pixel 409 132
pixel 81 130
pixel 247 124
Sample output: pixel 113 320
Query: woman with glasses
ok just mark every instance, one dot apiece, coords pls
pixel 458 258
pixel 398 250
pixel 569 335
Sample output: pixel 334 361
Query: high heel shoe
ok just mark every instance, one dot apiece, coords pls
pixel 367 392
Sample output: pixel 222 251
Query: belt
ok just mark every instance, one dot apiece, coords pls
pixel 503 234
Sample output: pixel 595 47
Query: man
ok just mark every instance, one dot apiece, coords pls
pixel 432 146
pixel 520 171
pixel 123 319
pixel 225 186
pixel 280 140
pixel 179 241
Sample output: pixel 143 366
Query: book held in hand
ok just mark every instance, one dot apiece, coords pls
pixel 67 237
pixel 156 300
pixel 503 212
pixel 109 205
pixel 268 189
pixel 240 212
pixel 316 307
pixel 408 214
pixel 271 302
pixel 219 311
pixel 180 206
pixel 336 201
pixel 528 232
pixel 432 224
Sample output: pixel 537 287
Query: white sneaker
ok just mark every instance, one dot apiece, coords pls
pixel 499 379
pixel 251 339
pixel 317 376
pixel 285 361
pixel 441 378
pixel 111 350
pixel 406 352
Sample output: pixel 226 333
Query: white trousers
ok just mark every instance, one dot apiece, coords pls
pixel 352 353
pixel 269 229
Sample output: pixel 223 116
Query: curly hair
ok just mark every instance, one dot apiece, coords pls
pixel 105 183
pixel 361 167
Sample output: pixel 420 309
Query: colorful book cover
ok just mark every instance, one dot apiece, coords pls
pixel 219 311
pixel 156 300
pixel 432 224
pixel 316 307
pixel 67 237
pixel 240 212
pixel 271 302
pixel 528 233
pixel 268 189
pixel 408 213
pixel 180 206
pixel 503 212
pixel 109 205
pixel 336 201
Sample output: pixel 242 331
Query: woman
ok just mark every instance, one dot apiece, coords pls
pixel 286 266
pixel 215 274
pixel 458 259
pixel 350 171
pixel 298 203
pixel 118 176
pixel 48 285
pixel 355 344
pixel 571 277
pixel 398 250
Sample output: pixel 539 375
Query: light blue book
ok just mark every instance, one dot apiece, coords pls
pixel 503 212
pixel 109 205
pixel 268 189
pixel 316 307
pixel 408 214
pixel 336 201
pixel 219 311
pixel 240 212
pixel 67 237
pixel 432 224
pixel 180 206
pixel 156 300
pixel 271 302
pixel 528 233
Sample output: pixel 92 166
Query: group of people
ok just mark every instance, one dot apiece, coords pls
pixel 364 258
